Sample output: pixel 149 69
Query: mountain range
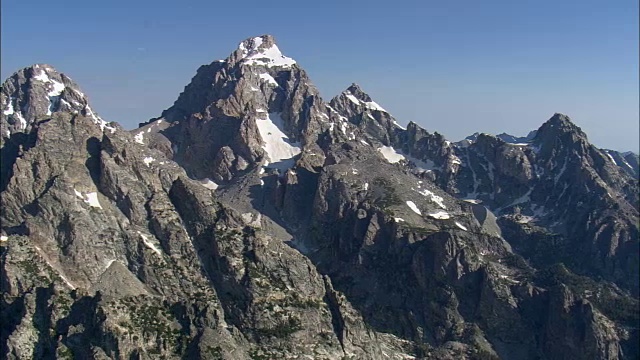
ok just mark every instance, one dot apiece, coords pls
pixel 252 219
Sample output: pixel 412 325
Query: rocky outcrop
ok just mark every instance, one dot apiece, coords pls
pixel 251 220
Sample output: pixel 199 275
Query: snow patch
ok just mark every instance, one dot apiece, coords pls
pixel 206 182
pixel 269 79
pixel 92 200
pixel 398 125
pixel 441 215
pixel 352 98
pixel 57 88
pixel 9 109
pixel 23 122
pixel 277 145
pixel 149 244
pixel 421 166
pixel 366 186
pixel 561 172
pixel 42 77
pixel 413 207
pixel 472 201
pixel 374 106
pixel 461 226
pixel 148 160
pixel 3 238
pixel 267 57
pixel 391 154
pixel 139 137
pixel 397 219
pixel 435 198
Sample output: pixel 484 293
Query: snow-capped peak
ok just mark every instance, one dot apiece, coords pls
pixel 37 91
pixel 262 50
pixel 355 94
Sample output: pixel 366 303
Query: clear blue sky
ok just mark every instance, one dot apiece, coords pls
pixel 455 67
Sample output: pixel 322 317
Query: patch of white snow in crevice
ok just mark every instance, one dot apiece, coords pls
pixel 109 263
pixel 42 77
pixel 413 207
pixel 373 106
pixel 461 226
pixel 60 274
pixel 397 219
pixel 474 194
pixel 352 98
pixel 269 79
pixel 562 170
pixel 612 159
pixel 435 198
pixel 98 121
pixel 391 154
pixel 149 244
pixel 206 182
pixel 57 88
pixel 277 145
pixel 398 125
pixel 4 238
pixel 9 110
pixel 148 160
pixel 89 198
pixel 23 122
pixel 139 137
pixel 440 215
pixel 472 201
pixel 92 200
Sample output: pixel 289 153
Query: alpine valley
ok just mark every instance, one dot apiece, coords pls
pixel 253 219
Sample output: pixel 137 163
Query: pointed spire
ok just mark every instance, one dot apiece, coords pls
pixel 355 90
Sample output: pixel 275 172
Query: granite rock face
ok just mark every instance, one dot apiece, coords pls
pixel 253 220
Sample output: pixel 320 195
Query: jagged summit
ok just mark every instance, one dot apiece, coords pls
pixel 559 126
pixel 261 51
pixel 359 98
pixel 559 119
pixel 36 92
pixel 254 220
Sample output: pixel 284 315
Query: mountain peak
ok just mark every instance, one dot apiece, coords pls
pixel 559 130
pixel 262 50
pixel 36 92
pixel 256 43
pixel 560 119
pixel 560 123
pixel 356 91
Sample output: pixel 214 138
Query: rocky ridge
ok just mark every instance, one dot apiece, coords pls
pixel 253 220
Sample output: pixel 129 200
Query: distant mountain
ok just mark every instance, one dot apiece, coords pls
pixel 507 137
pixel 252 219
